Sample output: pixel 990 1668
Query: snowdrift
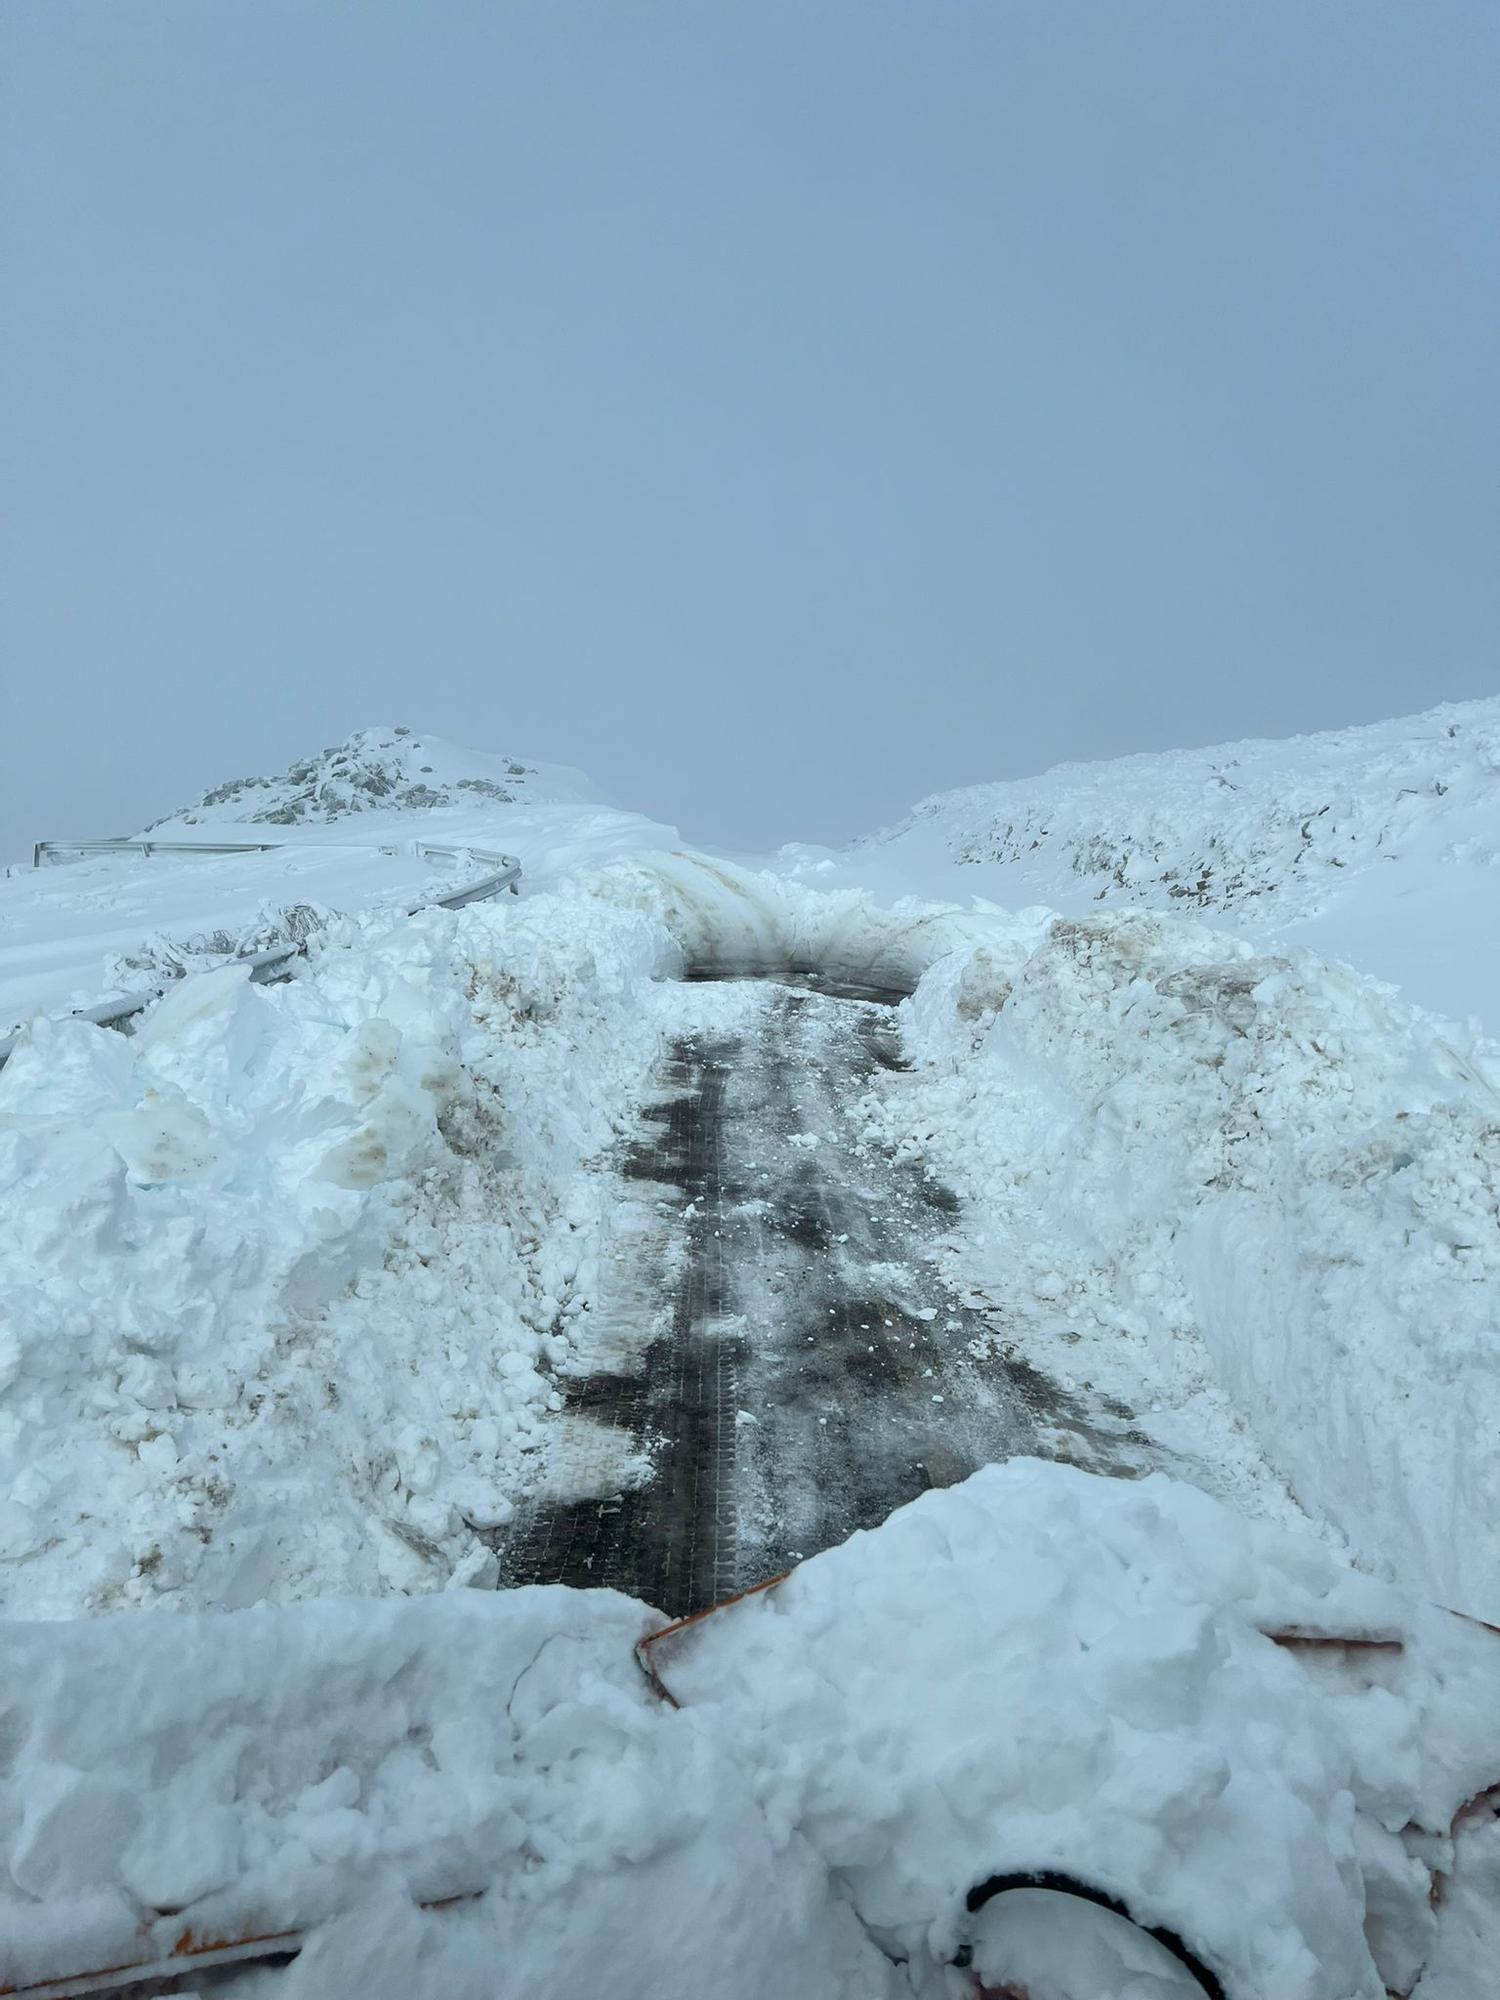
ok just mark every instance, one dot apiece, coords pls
pixel 349 829
pixel 287 1271
pixel 728 920
pixel 1271 1170
pixel 1038 1669
pixel 1272 1158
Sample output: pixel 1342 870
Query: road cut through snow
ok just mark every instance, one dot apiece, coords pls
pixel 782 1353
pixel 303 1282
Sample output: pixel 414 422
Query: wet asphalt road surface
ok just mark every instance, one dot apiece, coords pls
pixel 783 1352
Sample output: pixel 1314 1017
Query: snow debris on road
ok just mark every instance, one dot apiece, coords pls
pixel 337 1764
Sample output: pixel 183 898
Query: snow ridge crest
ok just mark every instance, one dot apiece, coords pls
pixel 374 770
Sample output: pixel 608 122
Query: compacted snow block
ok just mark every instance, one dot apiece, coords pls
pixel 1037 1674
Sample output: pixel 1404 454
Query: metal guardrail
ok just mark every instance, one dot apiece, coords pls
pixel 51 852
pixel 505 874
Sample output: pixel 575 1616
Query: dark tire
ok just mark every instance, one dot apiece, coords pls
pixel 983 1893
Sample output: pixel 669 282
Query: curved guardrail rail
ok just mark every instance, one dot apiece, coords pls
pixel 505 873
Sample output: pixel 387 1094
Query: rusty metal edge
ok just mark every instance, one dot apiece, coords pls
pixel 657 1685
pixel 188 1956
pixel 184 1958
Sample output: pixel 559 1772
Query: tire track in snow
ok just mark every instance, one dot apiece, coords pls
pixel 672 1540
pixel 798 1366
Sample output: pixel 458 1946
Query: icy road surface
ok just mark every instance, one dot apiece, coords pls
pixel 780 1358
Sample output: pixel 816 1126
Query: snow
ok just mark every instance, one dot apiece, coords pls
pixel 1051 1946
pixel 1259 1190
pixel 1378 845
pixel 104 924
pixel 1037 1669
pixel 269 1770
pixel 292 1272
pixel 1256 1174
pixel 376 771
pixel 1260 1194
pixel 349 824
pixel 1040 1670
pixel 294 1263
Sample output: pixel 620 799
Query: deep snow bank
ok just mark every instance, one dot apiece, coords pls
pixel 291 1268
pixel 194 1405
pixel 197 1410
pixel 1037 1669
pixel 269 1770
pixel 1258 1173
pixel 1042 1669
pixel 1263 1172
pixel 1267 1154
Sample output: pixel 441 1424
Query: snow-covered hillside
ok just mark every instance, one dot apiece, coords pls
pixel 1377 845
pixel 376 770
pixel 293 1277
pixel 1240 1174
pixel 348 823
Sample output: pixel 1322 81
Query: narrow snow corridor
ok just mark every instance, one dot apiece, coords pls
pixel 779 1358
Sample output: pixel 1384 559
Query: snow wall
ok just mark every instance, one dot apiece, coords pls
pixel 1290 1177
pixel 1269 1173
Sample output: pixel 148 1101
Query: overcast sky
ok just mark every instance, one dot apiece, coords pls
pixel 780 410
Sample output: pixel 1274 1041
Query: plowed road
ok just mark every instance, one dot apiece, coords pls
pixel 782 1352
